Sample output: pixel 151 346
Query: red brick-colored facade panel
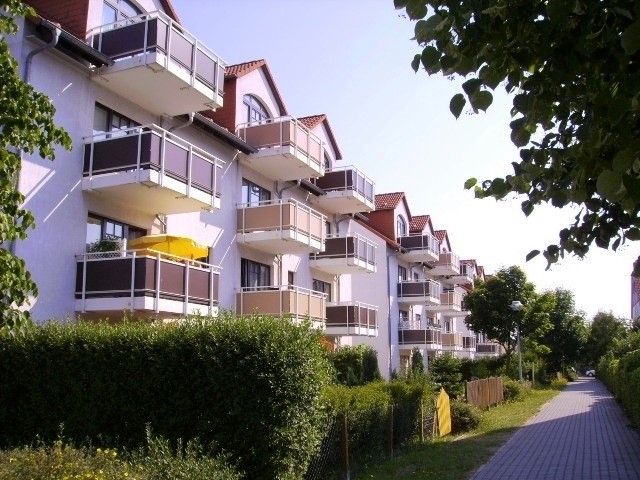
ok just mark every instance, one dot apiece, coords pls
pixel 382 221
pixel 70 14
pixel 226 116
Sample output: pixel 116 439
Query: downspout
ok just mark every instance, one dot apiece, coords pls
pixel 26 75
pixel 389 313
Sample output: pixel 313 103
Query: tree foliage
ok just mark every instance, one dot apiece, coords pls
pixel 567 335
pixel 606 331
pixel 26 126
pixel 489 304
pixel 573 69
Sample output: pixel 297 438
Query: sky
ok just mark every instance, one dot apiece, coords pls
pixel 351 60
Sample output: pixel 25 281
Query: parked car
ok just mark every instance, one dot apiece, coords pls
pixel 590 373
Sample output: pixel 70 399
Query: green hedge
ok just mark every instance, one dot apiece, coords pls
pixel 622 377
pixel 355 365
pixel 251 385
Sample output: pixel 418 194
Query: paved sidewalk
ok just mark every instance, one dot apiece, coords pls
pixel 580 434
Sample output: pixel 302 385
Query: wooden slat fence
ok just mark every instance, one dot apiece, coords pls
pixel 485 392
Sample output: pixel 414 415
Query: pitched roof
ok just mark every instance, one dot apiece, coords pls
pixel 170 10
pixel 312 121
pixel 443 236
pixel 241 69
pixel 392 243
pixel 388 201
pixel 418 222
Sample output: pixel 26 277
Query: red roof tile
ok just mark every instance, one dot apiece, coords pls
pixel 240 69
pixel 440 234
pixel 387 201
pixel 418 222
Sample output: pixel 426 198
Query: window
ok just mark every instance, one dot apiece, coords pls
pixel 115 10
pixel 327 162
pixel 324 287
pixel 401 226
pixel 107 120
pixel 402 273
pixel 254 274
pixel 417 317
pixel 416 277
pixel 256 111
pixel 447 326
pixel 101 228
pixel 327 228
pixel 253 194
pixel 291 277
pixel 404 316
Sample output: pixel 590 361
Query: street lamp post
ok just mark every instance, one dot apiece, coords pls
pixel 517 306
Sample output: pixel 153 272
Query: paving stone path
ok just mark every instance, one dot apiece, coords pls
pixel 580 434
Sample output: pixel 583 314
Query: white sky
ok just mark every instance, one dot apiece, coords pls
pixel 350 60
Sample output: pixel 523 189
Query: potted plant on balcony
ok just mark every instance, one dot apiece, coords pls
pixel 106 245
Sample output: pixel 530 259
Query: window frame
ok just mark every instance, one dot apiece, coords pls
pixel 110 115
pixel 262 273
pixel 322 286
pixel 256 110
pixel 115 5
pixel 401 226
pixel 126 228
pixel 249 185
pixel 403 315
pixel 402 273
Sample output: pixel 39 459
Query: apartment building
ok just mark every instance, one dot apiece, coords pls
pixel 174 148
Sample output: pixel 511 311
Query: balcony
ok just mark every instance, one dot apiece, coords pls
pixel 421 248
pixel 348 191
pixel 466 276
pixel 284 301
pixel 469 343
pixel 452 341
pixel 489 349
pixel 150 169
pixel 451 304
pixel 281 226
pixel 448 264
pixel 352 318
pixel 419 292
pixel 419 334
pixel 287 150
pixel 158 65
pixel 147 283
pixel 352 253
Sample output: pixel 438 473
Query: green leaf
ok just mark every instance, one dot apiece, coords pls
pixel 416 9
pixel 527 207
pixel 532 254
pixel 471 86
pixel 490 76
pixel 631 38
pixel 482 100
pixel 400 3
pixel 430 59
pixel 470 183
pixel 425 30
pixel 624 159
pixel 456 104
pixel 633 234
pixel 609 184
pixel 415 63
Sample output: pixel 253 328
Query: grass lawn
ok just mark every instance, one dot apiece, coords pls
pixel 454 458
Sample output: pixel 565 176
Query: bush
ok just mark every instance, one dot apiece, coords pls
pixel 446 372
pixel 355 365
pixel 464 417
pixel 512 389
pixel 558 383
pixel 482 368
pixel 252 386
pixel 157 461
pixel 622 377
pixel 417 364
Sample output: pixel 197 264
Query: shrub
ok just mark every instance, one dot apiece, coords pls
pixel 250 385
pixel 558 383
pixel 482 368
pixel 464 417
pixel 622 377
pixel 417 364
pixel 157 461
pixel 355 365
pixel 446 372
pixel 512 389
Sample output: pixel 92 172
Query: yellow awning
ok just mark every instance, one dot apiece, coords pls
pixel 183 247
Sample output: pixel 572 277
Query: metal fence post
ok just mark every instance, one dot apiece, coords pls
pixel 390 439
pixel 421 420
pixel 344 444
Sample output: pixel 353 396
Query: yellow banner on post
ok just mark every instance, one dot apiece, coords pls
pixel 443 409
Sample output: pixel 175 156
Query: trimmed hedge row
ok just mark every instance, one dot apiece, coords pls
pixel 251 386
pixel 622 377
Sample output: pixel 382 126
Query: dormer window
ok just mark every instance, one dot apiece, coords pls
pixel 255 109
pixel 116 10
pixel 401 226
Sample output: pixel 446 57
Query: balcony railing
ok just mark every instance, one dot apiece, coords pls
pixel 352 318
pixel 155 42
pixel 345 254
pixel 490 348
pixel 145 281
pixel 448 264
pixel 286 300
pixel 421 332
pixel 453 340
pixel 281 226
pixel 348 190
pixel 287 150
pixel 419 291
pixel 152 156
pixel 451 300
pixel 469 342
pixel 419 248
